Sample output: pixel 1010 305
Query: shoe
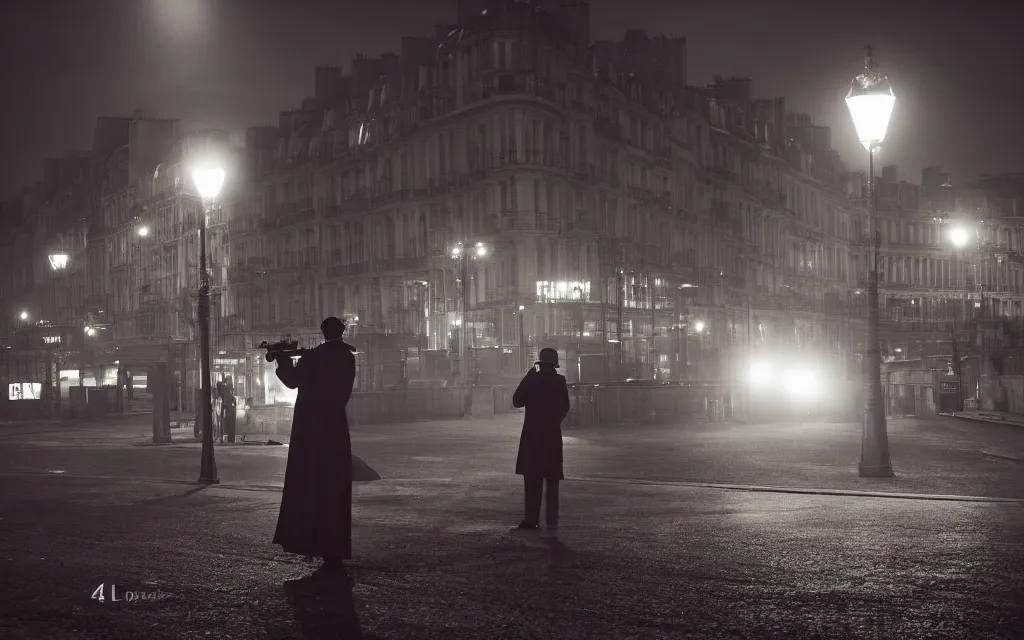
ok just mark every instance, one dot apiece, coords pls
pixel 528 526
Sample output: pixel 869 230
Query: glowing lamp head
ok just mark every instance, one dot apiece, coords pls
pixel 143 231
pixel 521 307
pixel 698 326
pixel 58 261
pixel 959 237
pixel 457 251
pixel 91 331
pixel 870 101
pixel 23 315
pixel 481 250
pixel 209 178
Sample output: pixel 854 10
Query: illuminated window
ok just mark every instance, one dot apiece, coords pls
pixel 558 290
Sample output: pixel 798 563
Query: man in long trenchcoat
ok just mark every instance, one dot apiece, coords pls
pixel 544 394
pixel 316 508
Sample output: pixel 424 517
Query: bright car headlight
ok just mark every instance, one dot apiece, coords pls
pixel 760 374
pixel 802 384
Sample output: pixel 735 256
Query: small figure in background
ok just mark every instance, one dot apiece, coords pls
pixel 226 391
pixel 545 395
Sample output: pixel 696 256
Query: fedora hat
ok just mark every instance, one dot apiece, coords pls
pixel 548 356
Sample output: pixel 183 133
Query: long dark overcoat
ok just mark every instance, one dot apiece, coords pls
pixel 546 398
pixel 316 507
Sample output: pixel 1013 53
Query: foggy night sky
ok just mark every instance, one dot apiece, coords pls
pixel 956 67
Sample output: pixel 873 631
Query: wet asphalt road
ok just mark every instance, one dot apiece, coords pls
pixel 640 554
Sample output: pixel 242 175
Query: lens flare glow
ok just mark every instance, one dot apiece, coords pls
pixel 760 374
pixel 802 384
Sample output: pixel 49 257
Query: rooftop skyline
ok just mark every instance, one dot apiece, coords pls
pixel 233 64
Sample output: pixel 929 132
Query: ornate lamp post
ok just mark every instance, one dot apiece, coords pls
pixel 209 179
pixel 871 101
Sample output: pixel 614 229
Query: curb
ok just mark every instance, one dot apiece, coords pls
pixel 1001 456
pixel 636 481
pixel 985 420
pixel 804 491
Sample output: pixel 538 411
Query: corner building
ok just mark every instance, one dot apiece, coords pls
pixel 645 229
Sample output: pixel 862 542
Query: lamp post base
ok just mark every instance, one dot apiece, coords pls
pixel 875 471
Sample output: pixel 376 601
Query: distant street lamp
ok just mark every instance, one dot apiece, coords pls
pixel 208 178
pixel 871 102
pixel 58 262
pixel 143 231
pixel 522 339
pixel 465 255
pixel 959 237
pixel 23 315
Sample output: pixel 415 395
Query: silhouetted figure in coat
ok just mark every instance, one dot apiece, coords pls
pixel 228 407
pixel 544 394
pixel 316 508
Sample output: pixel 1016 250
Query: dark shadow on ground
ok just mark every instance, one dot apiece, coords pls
pixel 178 496
pixel 323 606
pixel 559 554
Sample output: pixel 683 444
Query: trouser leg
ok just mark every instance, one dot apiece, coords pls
pixel 551 503
pixel 534 486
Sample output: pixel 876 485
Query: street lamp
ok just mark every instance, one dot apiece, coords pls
pixel 522 338
pixel 23 315
pixel 58 262
pixel 143 231
pixel 208 178
pixel 871 102
pixel 960 237
pixel 464 254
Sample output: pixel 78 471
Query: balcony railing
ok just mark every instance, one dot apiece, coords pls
pixel 583 226
pixel 530 222
pixel 379 266
pixel 289 215
pixel 299 258
pixel 724 174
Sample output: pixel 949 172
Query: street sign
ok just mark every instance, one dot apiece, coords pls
pixel 949 395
